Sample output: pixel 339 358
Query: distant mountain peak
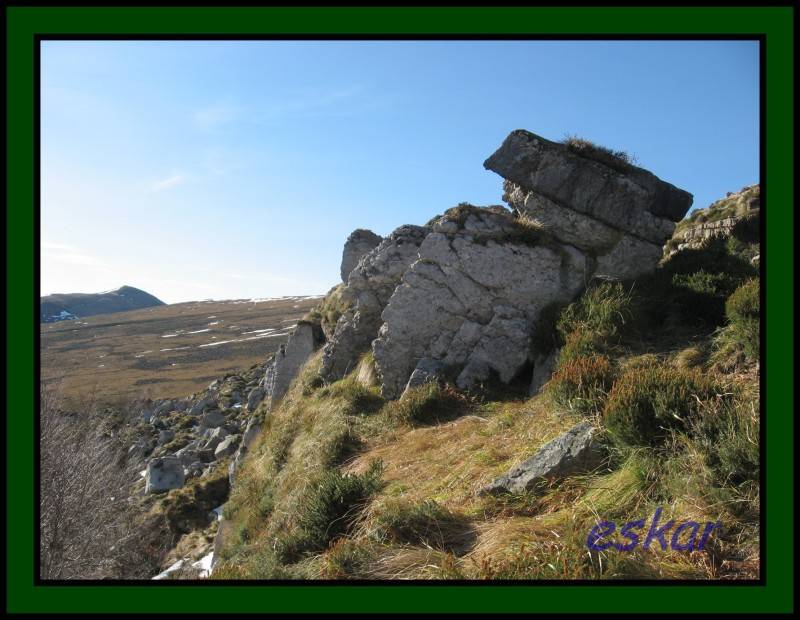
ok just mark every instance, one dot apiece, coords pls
pixel 66 306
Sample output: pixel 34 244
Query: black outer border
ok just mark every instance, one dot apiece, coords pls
pixel 761 38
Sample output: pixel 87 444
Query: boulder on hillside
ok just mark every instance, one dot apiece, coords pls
pixel 575 451
pixel 163 474
pixel 227 447
pixel 617 213
pixel 213 419
pixel 357 245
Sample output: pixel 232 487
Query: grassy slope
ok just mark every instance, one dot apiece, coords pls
pixel 344 485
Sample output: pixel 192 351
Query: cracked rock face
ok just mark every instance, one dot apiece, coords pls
pixel 369 286
pixel 620 216
pixel 459 298
pixel 470 300
pixel 358 243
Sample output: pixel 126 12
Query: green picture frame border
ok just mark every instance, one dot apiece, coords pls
pixel 25 23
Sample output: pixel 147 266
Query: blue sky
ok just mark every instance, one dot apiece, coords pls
pixel 234 169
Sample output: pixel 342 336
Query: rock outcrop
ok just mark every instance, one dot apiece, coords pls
pixel 718 219
pixel 470 299
pixel 575 451
pixel 369 287
pixel 302 342
pixel 619 215
pixel 357 245
pixel 460 297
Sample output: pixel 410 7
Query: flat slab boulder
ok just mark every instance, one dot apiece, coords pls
pixel 601 186
pixel 163 474
pixel 572 452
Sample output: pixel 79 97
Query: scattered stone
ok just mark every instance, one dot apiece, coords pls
pixel 574 451
pixel 141 448
pixel 194 470
pixel 226 447
pixel 165 436
pixel 254 398
pixel 187 455
pixel 203 404
pixel 212 418
pixel 163 474
pixel 215 436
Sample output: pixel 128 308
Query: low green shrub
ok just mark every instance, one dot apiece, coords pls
pixel 423 523
pixel 358 399
pixel 430 403
pixel 646 403
pixel 747 229
pixel 602 311
pixel 582 383
pixel 743 311
pixel 332 506
pixel 347 559
pixel 691 287
pixel 729 437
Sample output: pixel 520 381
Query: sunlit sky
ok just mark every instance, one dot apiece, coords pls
pixel 228 169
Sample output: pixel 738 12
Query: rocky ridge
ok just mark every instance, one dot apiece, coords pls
pixel 718 219
pixel 457 299
pixel 464 293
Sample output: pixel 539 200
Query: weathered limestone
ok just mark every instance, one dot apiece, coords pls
pixel 616 196
pixel 357 245
pixel 574 451
pixel 163 474
pixel 290 358
pixel 620 215
pixel 469 301
pixel 369 286
pixel 462 294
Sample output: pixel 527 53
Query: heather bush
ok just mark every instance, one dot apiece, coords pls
pixel 647 403
pixel 582 383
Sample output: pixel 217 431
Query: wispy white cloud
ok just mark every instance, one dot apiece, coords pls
pixel 70 255
pixel 315 102
pixel 168 183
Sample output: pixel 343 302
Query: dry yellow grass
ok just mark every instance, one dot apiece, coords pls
pixel 162 351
